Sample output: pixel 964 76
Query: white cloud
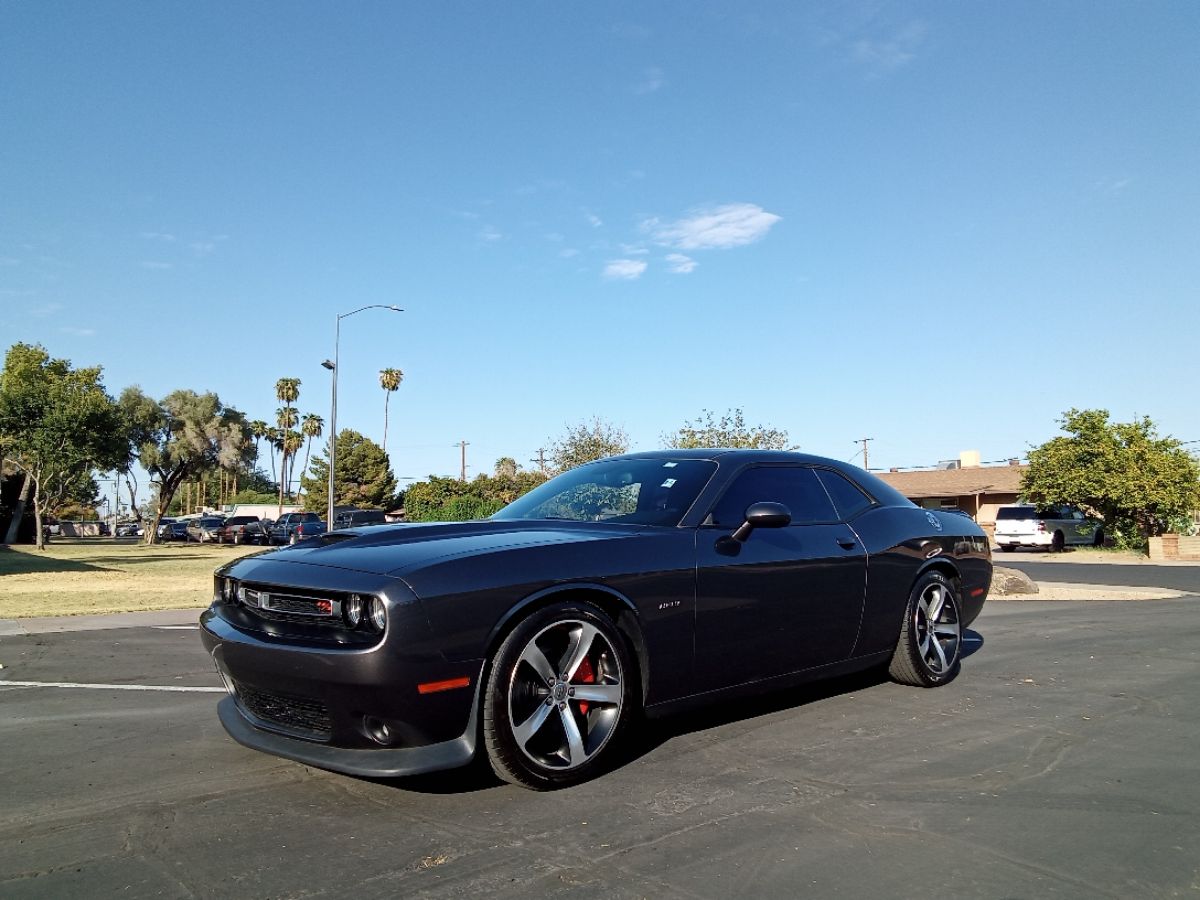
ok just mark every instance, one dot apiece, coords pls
pixel 157 236
pixel 652 80
pixel 46 309
pixel 78 332
pixel 625 269
pixel 152 264
pixel 718 227
pixel 592 219
pixel 490 234
pixel 887 54
pixel 634 250
pixel 678 264
pixel 568 252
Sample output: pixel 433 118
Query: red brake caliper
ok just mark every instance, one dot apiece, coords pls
pixel 585 674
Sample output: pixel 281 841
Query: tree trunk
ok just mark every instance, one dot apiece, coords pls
pixel 14 527
pixel 37 510
pixel 387 396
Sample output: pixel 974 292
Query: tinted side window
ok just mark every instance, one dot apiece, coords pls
pixel 796 488
pixel 848 499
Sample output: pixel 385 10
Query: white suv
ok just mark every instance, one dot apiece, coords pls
pixel 1054 528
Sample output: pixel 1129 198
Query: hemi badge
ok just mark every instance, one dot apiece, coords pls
pixel 433 687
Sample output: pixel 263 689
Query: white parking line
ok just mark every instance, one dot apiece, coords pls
pixel 115 687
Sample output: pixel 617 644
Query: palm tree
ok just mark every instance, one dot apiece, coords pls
pixel 272 436
pixel 292 442
pixel 287 392
pixel 389 380
pixel 258 430
pixel 311 426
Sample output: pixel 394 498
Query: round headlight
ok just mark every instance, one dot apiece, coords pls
pixel 378 614
pixel 354 610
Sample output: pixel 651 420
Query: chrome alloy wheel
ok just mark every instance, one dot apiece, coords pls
pixel 565 695
pixel 937 628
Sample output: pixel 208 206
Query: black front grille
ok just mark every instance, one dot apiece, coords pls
pixel 292 713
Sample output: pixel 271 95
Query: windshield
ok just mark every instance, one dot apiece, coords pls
pixel 642 491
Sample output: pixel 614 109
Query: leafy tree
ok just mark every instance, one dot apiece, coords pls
pixel 1138 482
pixel 363 476
pixel 452 500
pixel 190 435
pixel 389 380
pixel 586 442
pixel 730 430
pixel 506 467
pixel 57 424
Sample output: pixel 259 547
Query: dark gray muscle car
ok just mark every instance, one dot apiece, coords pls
pixel 636 584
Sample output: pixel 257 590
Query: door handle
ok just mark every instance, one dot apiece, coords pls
pixel 847 542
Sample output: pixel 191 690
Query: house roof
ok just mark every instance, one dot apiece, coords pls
pixel 956 482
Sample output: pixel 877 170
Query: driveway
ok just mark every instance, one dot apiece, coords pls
pixel 1061 762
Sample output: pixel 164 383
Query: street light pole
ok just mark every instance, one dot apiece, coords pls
pixel 333 367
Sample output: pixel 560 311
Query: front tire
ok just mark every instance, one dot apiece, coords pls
pixel 559 693
pixel 930 646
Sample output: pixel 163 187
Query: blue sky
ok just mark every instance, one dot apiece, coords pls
pixel 936 225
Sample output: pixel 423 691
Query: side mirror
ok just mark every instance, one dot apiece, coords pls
pixel 763 515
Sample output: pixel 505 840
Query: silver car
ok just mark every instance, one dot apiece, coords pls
pixel 1052 528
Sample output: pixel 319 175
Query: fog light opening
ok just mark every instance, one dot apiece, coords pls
pixel 378 614
pixel 378 730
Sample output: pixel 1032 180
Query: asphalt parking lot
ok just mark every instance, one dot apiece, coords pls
pixel 1061 763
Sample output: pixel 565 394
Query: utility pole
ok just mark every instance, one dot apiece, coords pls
pixel 541 460
pixel 463 447
pixel 864 441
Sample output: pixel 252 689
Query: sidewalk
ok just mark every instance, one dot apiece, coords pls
pixel 53 624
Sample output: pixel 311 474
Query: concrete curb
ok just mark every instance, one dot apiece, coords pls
pixel 1063 590
pixel 56 624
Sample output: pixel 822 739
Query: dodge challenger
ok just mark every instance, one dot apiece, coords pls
pixel 635 585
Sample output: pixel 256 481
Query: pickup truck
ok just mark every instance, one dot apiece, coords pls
pixel 292 527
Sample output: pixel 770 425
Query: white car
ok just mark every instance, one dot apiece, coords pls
pixel 1053 528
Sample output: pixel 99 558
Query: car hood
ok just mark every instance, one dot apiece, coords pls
pixel 398 549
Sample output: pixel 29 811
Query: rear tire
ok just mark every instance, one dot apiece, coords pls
pixel 558 696
pixel 1008 548
pixel 929 650
pixel 1058 543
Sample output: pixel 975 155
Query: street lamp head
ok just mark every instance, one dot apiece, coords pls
pixel 328 365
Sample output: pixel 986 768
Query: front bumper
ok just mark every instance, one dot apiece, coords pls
pixel 368 763
pixel 321 702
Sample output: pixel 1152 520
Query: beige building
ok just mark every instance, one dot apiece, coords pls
pixel 976 489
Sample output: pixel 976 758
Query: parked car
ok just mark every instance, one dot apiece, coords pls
pixel 637 584
pixel 164 524
pixel 204 529
pixel 176 530
pixel 240 530
pixel 130 529
pixel 293 527
pixel 1053 528
pixel 354 518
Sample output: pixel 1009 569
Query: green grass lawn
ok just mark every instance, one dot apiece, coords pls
pixel 84 576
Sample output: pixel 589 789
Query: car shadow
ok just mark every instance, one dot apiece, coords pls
pixel 654 733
